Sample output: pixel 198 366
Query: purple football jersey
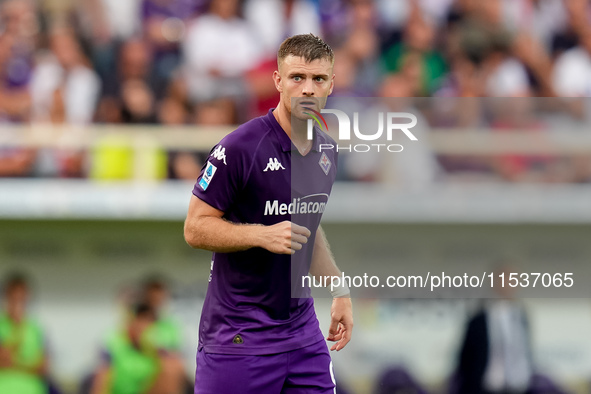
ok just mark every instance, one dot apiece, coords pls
pixel 256 175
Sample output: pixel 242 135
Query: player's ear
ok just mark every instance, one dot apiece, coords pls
pixel 331 85
pixel 277 80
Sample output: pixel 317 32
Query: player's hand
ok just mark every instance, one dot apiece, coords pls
pixel 341 322
pixel 285 237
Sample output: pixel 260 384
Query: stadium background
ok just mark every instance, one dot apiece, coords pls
pixel 109 107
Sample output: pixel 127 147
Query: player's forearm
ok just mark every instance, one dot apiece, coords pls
pixel 323 263
pixel 219 235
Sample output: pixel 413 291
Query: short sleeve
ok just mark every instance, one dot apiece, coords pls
pixel 222 176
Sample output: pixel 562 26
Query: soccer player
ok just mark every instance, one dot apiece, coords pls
pixel 23 358
pixel 257 205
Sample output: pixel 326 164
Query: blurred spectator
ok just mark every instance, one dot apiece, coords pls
pixel 209 62
pixel 172 112
pixel 186 165
pixel 15 102
pixel 572 72
pixel 543 20
pixel 21 19
pixel 64 87
pixel 18 37
pixel 505 75
pixel 463 80
pixel 261 88
pixel 418 168
pixel 129 86
pixel 520 114
pixel 361 51
pixel 416 58
pixel 397 13
pixel 495 355
pixel 215 112
pixel 16 162
pixel 487 45
pixel 397 380
pixel 341 18
pixel 134 62
pixel 112 20
pixel 132 363
pixel 274 21
pixel 138 102
pixel 65 90
pixel 165 25
pixel 220 47
pixel 23 354
pixel 165 332
pixel 105 24
pixel 344 70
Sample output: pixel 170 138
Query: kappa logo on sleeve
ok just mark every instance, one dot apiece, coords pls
pixel 220 154
pixel 208 174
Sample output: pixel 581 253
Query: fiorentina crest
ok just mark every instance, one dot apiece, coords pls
pixel 325 163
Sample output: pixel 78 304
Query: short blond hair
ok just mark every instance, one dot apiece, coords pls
pixel 308 46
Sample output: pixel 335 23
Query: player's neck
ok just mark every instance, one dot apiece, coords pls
pixel 298 133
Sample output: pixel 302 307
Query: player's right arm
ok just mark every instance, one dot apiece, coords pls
pixel 205 228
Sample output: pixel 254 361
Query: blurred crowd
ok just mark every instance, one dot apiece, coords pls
pixel 209 62
pixel 143 353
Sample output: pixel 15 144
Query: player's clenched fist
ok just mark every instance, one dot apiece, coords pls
pixel 285 237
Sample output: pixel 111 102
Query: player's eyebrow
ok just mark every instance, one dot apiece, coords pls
pixel 300 74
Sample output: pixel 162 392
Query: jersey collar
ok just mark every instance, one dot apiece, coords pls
pixel 285 141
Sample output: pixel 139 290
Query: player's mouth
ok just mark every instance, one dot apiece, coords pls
pixel 309 105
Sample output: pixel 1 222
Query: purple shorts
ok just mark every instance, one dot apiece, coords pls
pixel 300 371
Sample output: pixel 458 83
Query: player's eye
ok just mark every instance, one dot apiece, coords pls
pixel 297 78
pixel 319 79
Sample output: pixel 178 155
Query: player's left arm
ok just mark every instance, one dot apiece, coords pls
pixel 341 312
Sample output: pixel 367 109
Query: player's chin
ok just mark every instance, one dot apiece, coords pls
pixel 301 118
pixel 300 114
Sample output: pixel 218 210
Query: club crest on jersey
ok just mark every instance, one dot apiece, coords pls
pixel 208 174
pixel 220 154
pixel 273 165
pixel 325 163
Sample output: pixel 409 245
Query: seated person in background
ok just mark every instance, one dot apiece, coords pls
pixel 23 358
pixel 165 332
pixel 496 352
pixel 132 364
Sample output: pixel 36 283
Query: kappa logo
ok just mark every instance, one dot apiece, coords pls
pixel 273 165
pixel 220 154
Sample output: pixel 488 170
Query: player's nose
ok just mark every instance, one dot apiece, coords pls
pixel 308 89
